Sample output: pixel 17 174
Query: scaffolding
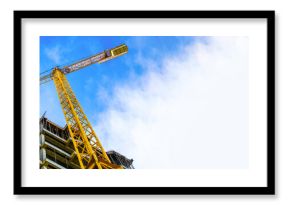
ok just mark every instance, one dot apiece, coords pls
pixel 57 150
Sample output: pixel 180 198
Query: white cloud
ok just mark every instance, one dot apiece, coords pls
pixel 192 114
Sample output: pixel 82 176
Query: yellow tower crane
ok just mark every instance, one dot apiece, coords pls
pixel 88 148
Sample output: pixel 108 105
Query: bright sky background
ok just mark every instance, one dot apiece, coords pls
pixel 170 102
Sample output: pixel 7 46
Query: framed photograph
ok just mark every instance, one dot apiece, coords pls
pixel 144 102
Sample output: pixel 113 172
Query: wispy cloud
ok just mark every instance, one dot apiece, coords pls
pixel 54 54
pixel 191 113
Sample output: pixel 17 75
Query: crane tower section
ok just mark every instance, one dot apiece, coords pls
pixel 88 148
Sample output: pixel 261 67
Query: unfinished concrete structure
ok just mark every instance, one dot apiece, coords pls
pixel 119 159
pixel 57 151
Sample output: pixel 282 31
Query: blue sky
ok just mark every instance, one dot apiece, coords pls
pixel 170 102
pixel 93 82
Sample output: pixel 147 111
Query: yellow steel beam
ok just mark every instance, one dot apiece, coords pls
pixel 88 148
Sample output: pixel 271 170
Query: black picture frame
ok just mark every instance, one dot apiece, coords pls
pixel 268 190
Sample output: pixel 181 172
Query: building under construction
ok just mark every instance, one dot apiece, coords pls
pixel 57 150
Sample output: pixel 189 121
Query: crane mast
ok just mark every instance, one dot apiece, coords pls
pixel 88 148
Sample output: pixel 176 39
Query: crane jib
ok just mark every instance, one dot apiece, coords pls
pixel 98 58
pixel 86 62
